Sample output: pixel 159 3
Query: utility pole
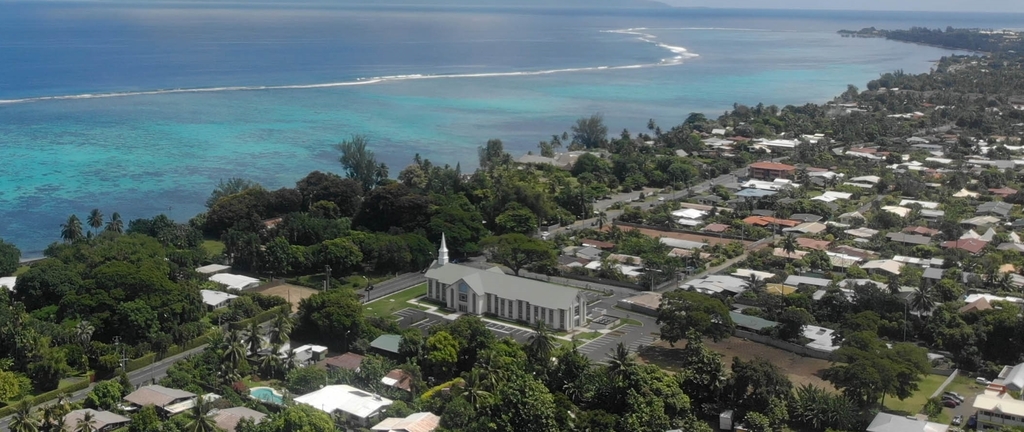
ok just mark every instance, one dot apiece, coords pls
pixel 327 277
pixel 117 344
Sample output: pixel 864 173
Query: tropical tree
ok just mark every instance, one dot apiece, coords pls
pixel 87 423
pixel 602 218
pixel 83 332
pixel 71 231
pixel 53 417
pixel 271 364
pixel 922 300
pixel 23 419
pixel 757 285
pixel 619 359
pixel 234 351
pixel 541 343
pixel 95 219
pixel 253 339
pixel 280 329
pixel 115 224
pixel 789 244
pixel 360 163
pixel 893 285
pixel 200 421
pixel 473 388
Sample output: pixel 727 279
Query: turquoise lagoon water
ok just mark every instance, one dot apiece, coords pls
pixel 209 92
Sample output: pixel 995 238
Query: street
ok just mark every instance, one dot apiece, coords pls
pixel 138 377
pixel 394 285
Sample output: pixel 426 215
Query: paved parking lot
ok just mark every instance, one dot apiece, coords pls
pixel 412 318
pixel 633 337
pixel 597 349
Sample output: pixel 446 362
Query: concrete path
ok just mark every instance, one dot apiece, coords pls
pixel 945 383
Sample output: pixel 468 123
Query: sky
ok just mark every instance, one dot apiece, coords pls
pixel 901 5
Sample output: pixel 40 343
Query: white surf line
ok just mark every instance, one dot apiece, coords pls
pixel 681 54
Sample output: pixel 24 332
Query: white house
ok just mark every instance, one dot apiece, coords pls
pixel 216 299
pixel 8 282
pixel 355 405
pixel 233 281
pixel 475 291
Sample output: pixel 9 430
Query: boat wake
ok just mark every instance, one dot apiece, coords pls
pixel 681 54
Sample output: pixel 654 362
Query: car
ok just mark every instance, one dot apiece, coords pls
pixel 661 198
pixel 972 421
pixel 948 397
pixel 955 395
pixel 958 420
pixel 982 381
pixel 950 403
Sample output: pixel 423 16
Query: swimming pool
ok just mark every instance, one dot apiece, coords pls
pixel 266 394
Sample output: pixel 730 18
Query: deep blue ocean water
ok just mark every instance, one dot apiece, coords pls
pixel 141 109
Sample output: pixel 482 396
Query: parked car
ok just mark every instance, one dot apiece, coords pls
pixel 972 421
pixel 956 396
pixel 958 420
pixel 948 397
pixel 982 381
pixel 950 403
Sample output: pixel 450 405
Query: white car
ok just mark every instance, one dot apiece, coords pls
pixel 982 381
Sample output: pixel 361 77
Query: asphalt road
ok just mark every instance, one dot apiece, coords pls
pixel 632 336
pixel 391 286
pixel 138 377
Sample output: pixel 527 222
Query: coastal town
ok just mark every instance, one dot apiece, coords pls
pixel 856 265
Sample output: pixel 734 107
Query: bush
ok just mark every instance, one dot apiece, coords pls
pixel 260 318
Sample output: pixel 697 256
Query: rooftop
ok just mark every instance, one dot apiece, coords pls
pixel 999 402
pixel 234 281
pixel 348 399
pixel 227 419
pixel 772 166
pixel 157 395
pixel 387 342
pixel 212 268
pixel 885 422
pixel 349 361
pixel 751 322
pixel 505 286
pixel 216 298
pixel 418 422
pixel 101 419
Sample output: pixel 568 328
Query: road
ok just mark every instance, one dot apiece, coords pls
pixel 391 286
pixel 603 205
pixel 137 377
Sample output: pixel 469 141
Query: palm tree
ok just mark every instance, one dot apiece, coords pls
pixel 922 300
pixel 490 364
pixel 894 285
pixel 234 351
pixel 472 388
pixel 53 417
pixel 83 332
pixel 71 231
pixel 789 244
pixel 200 421
pixel 757 285
pixel 541 343
pixel 23 420
pixel 253 339
pixel 602 218
pixel 115 225
pixel 271 364
pixel 619 359
pixel 87 423
pixel 95 219
pixel 280 329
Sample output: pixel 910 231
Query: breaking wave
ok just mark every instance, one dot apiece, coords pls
pixel 680 55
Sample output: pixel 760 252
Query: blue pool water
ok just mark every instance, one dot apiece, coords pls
pixel 266 394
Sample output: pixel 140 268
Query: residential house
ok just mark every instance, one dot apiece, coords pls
pixel 794 280
pixel 805 217
pixel 770 170
pixel 995 208
pixel 597 244
pixel 347 361
pixel 924 204
pixel 1011 377
pixel 166 400
pixel 212 269
pixel 387 344
pixel 102 421
pixel 911 239
pixel 807 228
pixel 236 282
pixel 1002 192
pixel 809 243
pixel 795 255
pixel 884 267
pixel 398 379
pixel 715 284
pixel 885 422
pixel 996 408
pixel 716 228
pixel 981 221
pixel 867 179
pixel 863 232
pixel 851 217
pixel 934 274
pixel 755 193
pixel 855 252
pixel 227 419
pixel 418 422
pixel 764 221
pixel 356 406
pixel 7 282
pixel 972 246
pixel 216 299
pixel 899 211
pixel 308 354
pixel 709 199
pixel 750 323
pixel 589 253
pixel 475 291
pixel 920 230
pixel 981 304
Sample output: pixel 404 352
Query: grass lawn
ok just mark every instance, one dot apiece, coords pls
pixel 213 247
pixel 966 386
pixel 352 281
pixel 387 306
pixel 628 321
pixel 21 270
pixel 588 336
pixel 913 404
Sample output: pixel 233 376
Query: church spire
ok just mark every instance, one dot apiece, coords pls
pixel 442 253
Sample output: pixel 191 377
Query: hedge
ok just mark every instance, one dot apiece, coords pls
pixel 148 359
pixel 261 317
pixel 44 397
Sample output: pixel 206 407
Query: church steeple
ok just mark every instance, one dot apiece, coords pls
pixel 442 253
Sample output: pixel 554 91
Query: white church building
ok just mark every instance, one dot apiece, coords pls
pixel 492 292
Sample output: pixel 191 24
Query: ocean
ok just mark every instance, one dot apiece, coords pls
pixel 141 109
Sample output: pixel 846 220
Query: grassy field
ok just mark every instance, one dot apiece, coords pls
pixel 913 405
pixel 21 270
pixel 387 306
pixel 213 247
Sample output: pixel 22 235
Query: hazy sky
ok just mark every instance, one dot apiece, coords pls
pixel 906 5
